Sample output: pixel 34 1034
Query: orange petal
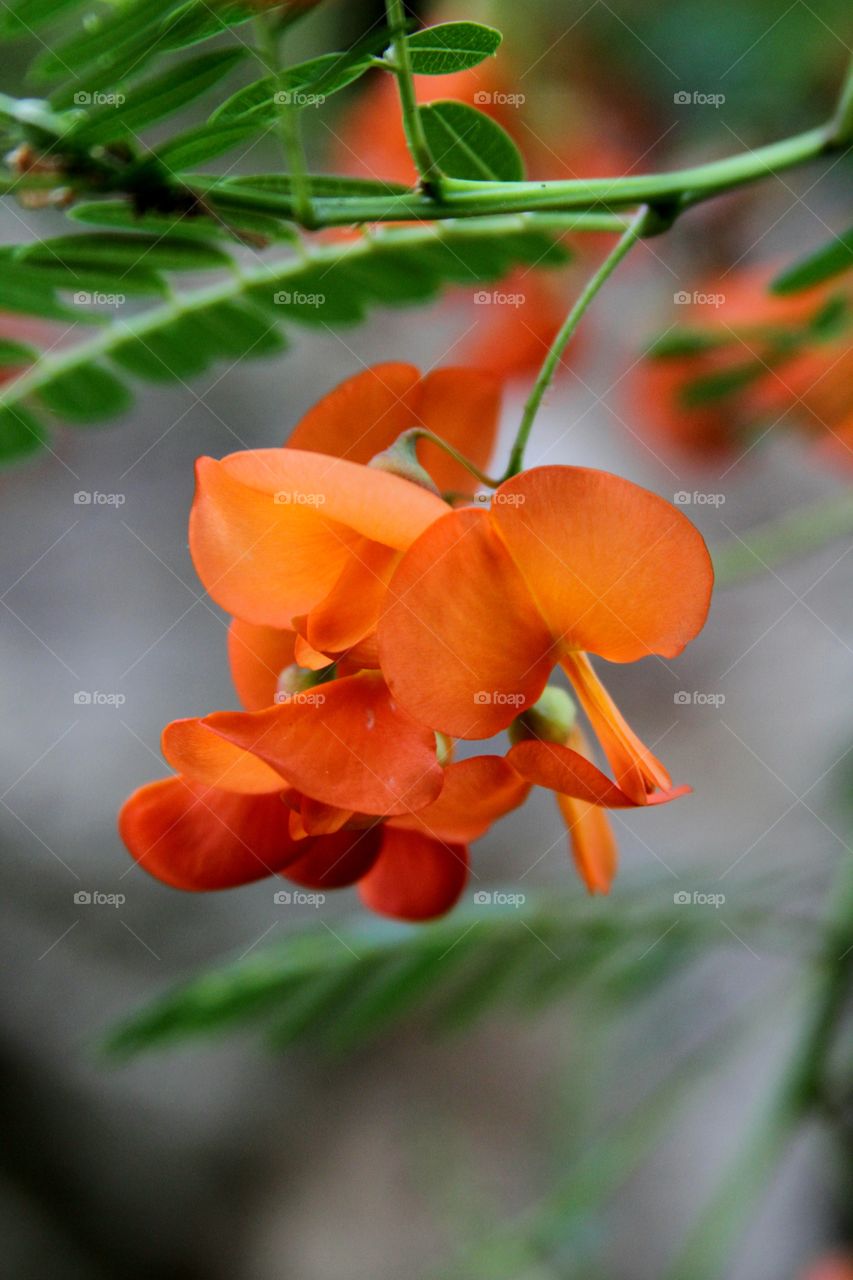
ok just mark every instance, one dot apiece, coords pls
pixel 321 819
pixel 414 877
pixel 195 837
pixel 350 611
pixel 343 743
pixel 271 529
pixel 475 794
pixel 362 416
pixel 462 406
pixel 335 861
pixel 614 569
pixel 195 749
pixel 258 655
pixel 636 768
pixel 305 654
pixel 592 842
pixel 560 769
pixel 461 642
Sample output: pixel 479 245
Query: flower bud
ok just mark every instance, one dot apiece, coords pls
pixel 551 719
pixel 401 459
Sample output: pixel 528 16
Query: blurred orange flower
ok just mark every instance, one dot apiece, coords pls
pixel 752 359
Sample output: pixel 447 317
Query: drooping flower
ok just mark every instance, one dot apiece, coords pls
pixel 319 779
pixel 567 561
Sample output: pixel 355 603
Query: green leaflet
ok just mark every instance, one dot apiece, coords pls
pixel 465 143
pixel 451 46
pixel 152 100
pixel 830 261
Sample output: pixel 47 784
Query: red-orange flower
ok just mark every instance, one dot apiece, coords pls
pixel 321 783
pixel 568 560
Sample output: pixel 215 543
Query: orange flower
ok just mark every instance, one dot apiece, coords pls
pixel 568 560
pixel 321 782
pixel 305 537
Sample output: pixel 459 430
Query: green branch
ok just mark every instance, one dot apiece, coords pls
pixel 642 222
pixel 412 124
pixel 795 533
pixel 288 121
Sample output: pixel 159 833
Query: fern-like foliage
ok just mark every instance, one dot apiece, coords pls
pixel 239 315
pixel 338 985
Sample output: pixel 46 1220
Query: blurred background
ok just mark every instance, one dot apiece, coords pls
pixel 227 1160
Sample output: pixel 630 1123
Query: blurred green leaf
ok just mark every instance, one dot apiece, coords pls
pixel 15 353
pixel 465 143
pixel 363 978
pixel 20 433
pixel 830 261
pixel 24 17
pixel 155 99
pixel 120 253
pixel 92 394
pixel 451 46
pixel 306 84
pixel 204 142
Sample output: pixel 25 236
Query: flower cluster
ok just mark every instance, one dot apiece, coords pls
pixel 376 623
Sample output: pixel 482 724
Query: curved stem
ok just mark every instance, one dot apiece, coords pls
pixel 412 123
pixel 423 433
pixel 640 223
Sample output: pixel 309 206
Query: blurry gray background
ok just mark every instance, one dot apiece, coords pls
pixel 226 1161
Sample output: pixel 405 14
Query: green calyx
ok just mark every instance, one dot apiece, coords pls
pixel 551 719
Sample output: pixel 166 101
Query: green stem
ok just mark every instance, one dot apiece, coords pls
pixel 795 533
pixel 630 236
pixel 421 433
pixel 842 131
pixel 412 123
pixel 288 125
